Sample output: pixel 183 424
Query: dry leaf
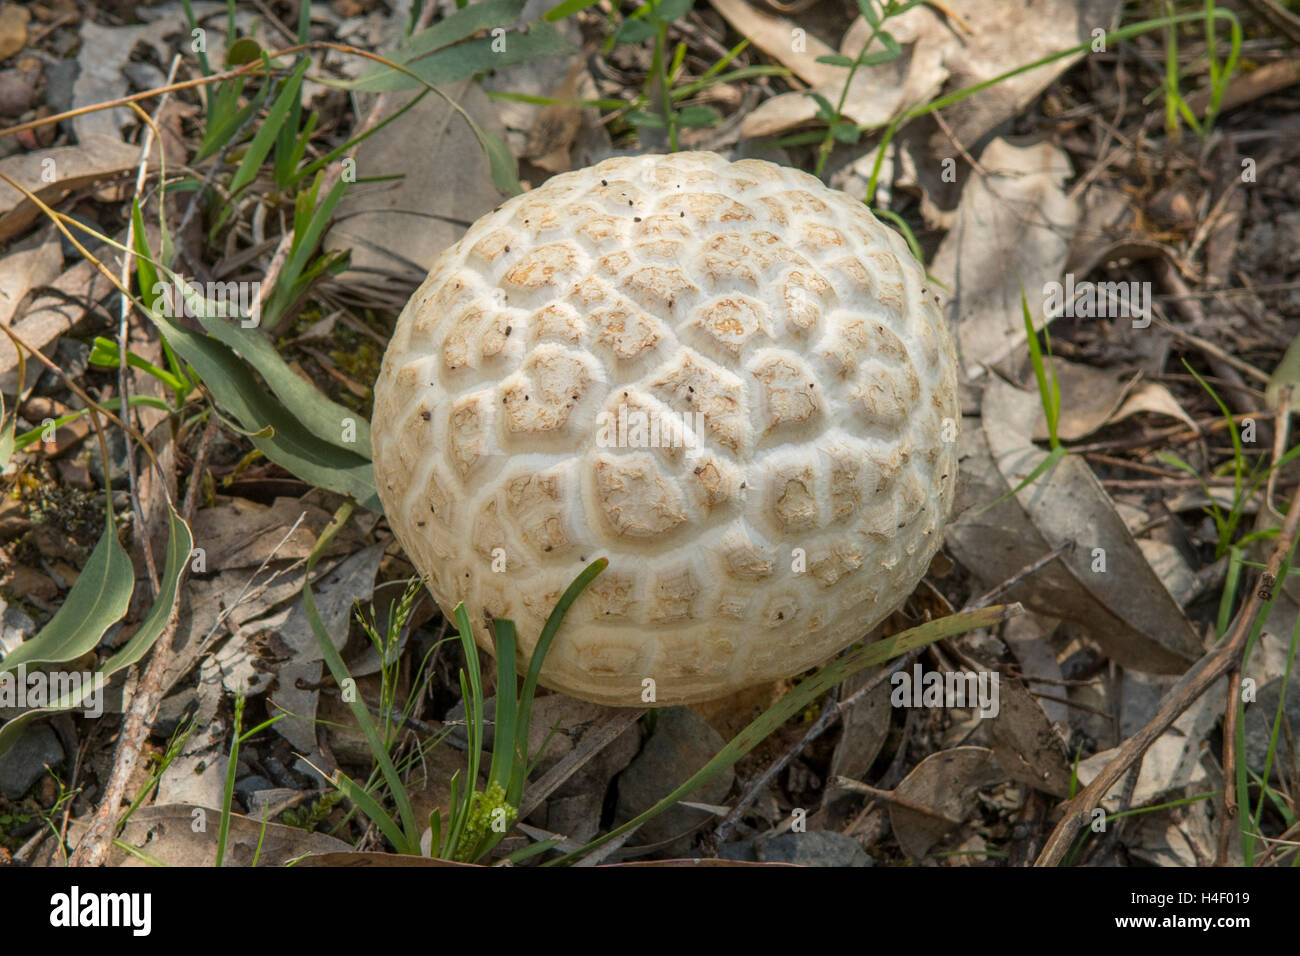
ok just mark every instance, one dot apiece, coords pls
pixel 945 783
pixel 13 29
pixel 775 36
pixel 401 226
pixel 1126 608
pixel 1012 232
pixel 167 833
pixel 54 173
pixel 1024 742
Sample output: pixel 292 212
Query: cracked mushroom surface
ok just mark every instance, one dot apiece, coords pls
pixel 726 378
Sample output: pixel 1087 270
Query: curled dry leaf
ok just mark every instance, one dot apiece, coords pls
pixel 945 784
pixel 977 42
pixel 865 726
pixel 1092 398
pixel 1125 608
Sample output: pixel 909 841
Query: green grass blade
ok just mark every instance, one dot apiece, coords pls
pixel 266 135
pixel 223 830
pixel 505 753
pixel 372 810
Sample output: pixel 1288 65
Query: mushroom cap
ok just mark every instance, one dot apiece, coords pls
pixel 726 378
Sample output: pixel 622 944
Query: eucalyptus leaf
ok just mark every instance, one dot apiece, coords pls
pixel 464 60
pixel 97 601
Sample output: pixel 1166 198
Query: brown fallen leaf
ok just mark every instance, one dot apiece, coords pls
pixel 551 138
pixel 1024 743
pixel 775 36
pixel 238 533
pixel 29 264
pixel 946 784
pixel 168 833
pixel 1012 232
pixel 1102 582
pixel 401 226
pixel 13 29
pixel 51 174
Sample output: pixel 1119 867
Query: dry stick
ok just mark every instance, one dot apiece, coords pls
pixel 94 845
pixel 1225 657
pixel 1230 808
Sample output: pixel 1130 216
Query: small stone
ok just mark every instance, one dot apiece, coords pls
pixel 681 744
pixel 814 848
pixel 24 763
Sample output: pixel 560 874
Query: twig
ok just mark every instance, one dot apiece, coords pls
pixel 143 708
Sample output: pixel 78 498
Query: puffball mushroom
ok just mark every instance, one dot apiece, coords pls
pixel 726 378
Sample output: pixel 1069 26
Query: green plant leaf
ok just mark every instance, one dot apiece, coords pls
pixel 645 120
pixel 567 9
pixel 880 57
pixel 824 109
pixel 846 132
pixel 633 31
pixel 97 600
pixel 264 139
pixel 836 59
pixel 288 442
pixel 670 11
pixel 244 50
pixel 464 60
pixel 458 26
pixel 271 427
pixel 549 630
pixel 868 10
pixel 695 117
pixel 225 115
pixel 407 839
